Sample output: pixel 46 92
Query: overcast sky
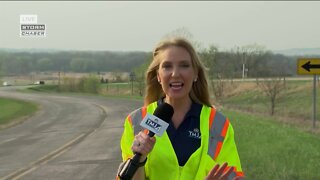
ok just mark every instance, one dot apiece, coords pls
pixel 128 26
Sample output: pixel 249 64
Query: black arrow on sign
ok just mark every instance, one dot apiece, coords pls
pixel 307 66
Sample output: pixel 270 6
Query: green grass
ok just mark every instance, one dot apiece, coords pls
pixel 12 109
pixel 295 101
pixel 44 88
pixel 271 150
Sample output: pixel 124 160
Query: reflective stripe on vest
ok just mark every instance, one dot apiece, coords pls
pixel 218 129
pixel 218 125
pixel 136 117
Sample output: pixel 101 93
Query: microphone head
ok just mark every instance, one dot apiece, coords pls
pixel 164 111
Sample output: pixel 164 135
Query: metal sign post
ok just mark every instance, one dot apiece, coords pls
pixel 314 100
pixel 311 66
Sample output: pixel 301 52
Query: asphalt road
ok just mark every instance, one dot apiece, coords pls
pixel 70 137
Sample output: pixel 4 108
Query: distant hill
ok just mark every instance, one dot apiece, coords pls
pixel 31 50
pixel 299 52
pixel 43 50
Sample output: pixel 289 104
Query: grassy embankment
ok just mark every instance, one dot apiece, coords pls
pixel 294 105
pixel 13 111
pixel 279 146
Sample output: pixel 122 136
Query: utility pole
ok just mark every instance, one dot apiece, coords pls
pixel 59 79
pixel 243 65
pixel 314 101
pixel 243 71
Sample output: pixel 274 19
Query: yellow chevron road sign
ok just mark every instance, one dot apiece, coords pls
pixel 308 66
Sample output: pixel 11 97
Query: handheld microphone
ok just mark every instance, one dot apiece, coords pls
pixel 156 124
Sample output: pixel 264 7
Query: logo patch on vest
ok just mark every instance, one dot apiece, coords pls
pixel 195 133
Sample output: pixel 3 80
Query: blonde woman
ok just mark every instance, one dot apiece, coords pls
pixel 199 142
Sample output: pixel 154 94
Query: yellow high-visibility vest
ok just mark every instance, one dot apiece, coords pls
pixel 217 146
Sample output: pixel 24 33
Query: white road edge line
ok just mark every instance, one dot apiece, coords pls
pixel 7 140
pixel 43 160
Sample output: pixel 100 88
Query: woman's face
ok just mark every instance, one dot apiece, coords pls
pixel 176 74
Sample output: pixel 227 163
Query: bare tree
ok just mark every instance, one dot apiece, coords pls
pixel 247 55
pixel 0 71
pixel 183 32
pixel 218 88
pixel 209 58
pixel 215 71
pixel 272 88
pixel 140 74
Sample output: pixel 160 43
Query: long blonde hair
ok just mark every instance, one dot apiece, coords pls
pixel 199 92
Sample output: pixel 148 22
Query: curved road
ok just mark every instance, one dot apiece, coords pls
pixel 70 137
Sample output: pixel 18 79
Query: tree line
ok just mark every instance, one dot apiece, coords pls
pixel 21 63
pixel 246 61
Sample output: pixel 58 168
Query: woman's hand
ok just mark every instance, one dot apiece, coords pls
pixel 217 173
pixel 143 144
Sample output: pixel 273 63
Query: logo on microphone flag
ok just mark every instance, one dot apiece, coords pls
pixel 154 124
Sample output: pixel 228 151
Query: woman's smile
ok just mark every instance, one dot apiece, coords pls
pixel 176 85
